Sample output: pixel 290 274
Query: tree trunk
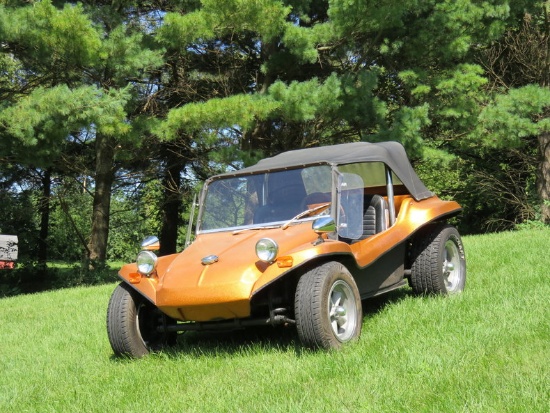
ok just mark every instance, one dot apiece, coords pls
pixel 44 209
pixel 104 175
pixel 171 208
pixel 543 178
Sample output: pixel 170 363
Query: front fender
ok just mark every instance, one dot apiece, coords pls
pixel 146 286
pixel 299 256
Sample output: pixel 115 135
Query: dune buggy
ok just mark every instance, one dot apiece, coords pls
pixel 299 239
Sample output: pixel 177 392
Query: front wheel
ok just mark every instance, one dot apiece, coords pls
pixel 439 264
pixel 327 307
pixel 133 322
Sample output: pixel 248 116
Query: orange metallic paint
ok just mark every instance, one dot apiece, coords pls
pixel 187 290
pixel 412 215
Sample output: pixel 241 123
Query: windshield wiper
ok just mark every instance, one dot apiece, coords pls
pixel 285 225
pixel 238 231
pixel 305 213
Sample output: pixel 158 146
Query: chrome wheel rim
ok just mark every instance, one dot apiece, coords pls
pixel 452 266
pixel 342 310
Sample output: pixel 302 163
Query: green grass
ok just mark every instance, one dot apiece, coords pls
pixel 486 350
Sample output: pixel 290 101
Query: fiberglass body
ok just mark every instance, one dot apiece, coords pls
pixel 357 209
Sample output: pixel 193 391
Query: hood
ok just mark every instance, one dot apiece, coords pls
pixel 187 281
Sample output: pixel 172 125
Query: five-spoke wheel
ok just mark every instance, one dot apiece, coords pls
pixel 327 307
pixel 438 261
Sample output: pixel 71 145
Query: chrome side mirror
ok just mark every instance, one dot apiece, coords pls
pixel 150 243
pixel 324 225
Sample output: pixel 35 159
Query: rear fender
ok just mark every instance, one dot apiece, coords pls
pixel 413 215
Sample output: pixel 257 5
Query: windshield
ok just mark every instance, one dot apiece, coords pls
pixel 264 199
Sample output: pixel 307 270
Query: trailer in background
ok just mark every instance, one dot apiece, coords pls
pixel 8 251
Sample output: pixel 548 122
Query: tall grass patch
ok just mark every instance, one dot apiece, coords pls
pixel 486 350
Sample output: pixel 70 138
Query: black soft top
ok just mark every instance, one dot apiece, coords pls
pixel 391 153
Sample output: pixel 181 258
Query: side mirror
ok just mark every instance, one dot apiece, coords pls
pixel 150 243
pixel 324 225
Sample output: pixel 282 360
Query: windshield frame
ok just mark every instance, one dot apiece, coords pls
pixel 261 225
pixel 337 172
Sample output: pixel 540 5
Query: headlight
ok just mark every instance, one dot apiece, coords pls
pixel 267 249
pixel 146 262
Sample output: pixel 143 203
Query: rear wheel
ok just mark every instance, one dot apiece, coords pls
pixel 327 307
pixel 133 322
pixel 439 264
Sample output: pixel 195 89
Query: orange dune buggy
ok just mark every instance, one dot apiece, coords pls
pixel 299 239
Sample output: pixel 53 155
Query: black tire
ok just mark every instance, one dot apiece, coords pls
pixel 132 323
pixel 327 307
pixel 438 261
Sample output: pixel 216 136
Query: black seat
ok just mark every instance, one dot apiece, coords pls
pixel 375 217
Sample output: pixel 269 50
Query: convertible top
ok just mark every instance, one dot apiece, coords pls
pixel 391 153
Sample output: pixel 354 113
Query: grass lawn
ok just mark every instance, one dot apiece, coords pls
pixel 486 350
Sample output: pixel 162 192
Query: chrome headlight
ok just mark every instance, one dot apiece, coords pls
pixel 146 262
pixel 267 249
